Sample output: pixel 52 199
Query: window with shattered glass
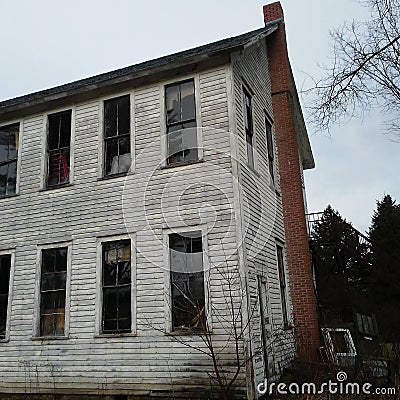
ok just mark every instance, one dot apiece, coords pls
pixel 58 148
pixel 187 281
pixel 248 125
pixel 116 287
pixel 9 139
pixel 5 268
pixel 117 147
pixel 53 291
pixel 181 123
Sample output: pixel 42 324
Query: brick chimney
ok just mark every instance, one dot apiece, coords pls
pixel 286 112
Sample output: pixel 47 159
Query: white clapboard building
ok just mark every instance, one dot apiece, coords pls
pixel 142 244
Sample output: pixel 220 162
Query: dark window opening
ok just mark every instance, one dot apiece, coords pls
pixel 9 139
pixel 181 123
pixel 53 291
pixel 282 284
pixel 270 149
pixel 58 148
pixel 248 125
pixel 187 282
pixel 116 287
pixel 5 268
pixel 117 143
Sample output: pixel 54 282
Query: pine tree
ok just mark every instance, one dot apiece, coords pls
pixel 384 290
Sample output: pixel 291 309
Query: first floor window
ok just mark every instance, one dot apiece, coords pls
pixel 116 287
pixel 5 268
pixel 282 284
pixel 53 291
pixel 117 139
pixel 180 111
pixel 58 148
pixel 187 281
pixel 9 139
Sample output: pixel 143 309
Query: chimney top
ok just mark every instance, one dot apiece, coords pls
pixel 272 12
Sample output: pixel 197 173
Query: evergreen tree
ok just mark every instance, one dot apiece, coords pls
pixel 384 290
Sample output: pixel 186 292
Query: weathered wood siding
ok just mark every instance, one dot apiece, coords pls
pixel 144 205
pixel 262 211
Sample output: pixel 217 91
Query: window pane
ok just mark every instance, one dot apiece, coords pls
pixel 5 267
pixel 48 261
pixel 110 302
pixel 172 104
pixel 12 178
pixel 47 325
pixel 110 274
pixel 65 129
pixel 110 118
pixel 9 137
pixel 124 302
pixel 48 302
pixel 4 144
pixel 124 159
pixel 60 280
pixel 61 258
pixel 48 281
pixel 111 149
pixel 123 115
pixel 54 132
pixel 3 179
pixel 187 101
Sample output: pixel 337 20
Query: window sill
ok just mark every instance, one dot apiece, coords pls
pixel 44 338
pixel 47 188
pixel 107 177
pixel 114 335
pixel 181 164
pixel 8 196
pixel 187 333
pixel 4 340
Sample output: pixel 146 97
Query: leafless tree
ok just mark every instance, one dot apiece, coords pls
pixel 365 69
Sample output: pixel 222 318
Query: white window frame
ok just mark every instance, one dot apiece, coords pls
pixel 10 252
pixel 99 287
pixel 100 162
pixel 167 277
pixel 44 156
pixel 163 120
pixel 20 141
pixel 273 179
pixel 246 87
pixel 348 339
pixel 37 304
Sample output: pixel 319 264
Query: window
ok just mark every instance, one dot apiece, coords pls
pixel 340 346
pixel 53 291
pixel 270 149
pixel 282 284
pixel 181 123
pixel 116 287
pixel 5 268
pixel 187 281
pixel 117 142
pixel 9 139
pixel 366 325
pixel 58 148
pixel 248 125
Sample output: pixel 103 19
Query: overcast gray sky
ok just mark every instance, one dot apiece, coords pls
pixel 46 43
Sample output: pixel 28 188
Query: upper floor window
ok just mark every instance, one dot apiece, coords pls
pixel 9 139
pixel 248 125
pixel 5 268
pixel 181 123
pixel 58 148
pixel 187 281
pixel 53 291
pixel 116 287
pixel 270 149
pixel 117 139
pixel 282 284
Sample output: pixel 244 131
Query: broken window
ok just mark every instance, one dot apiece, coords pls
pixel 181 123
pixel 9 139
pixel 117 139
pixel 53 291
pixel 270 149
pixel 187 281
pixel 5 268
pixel 282 284
pixel 366 325
pixel 116 287
pixel 248 125
pixel 58 148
